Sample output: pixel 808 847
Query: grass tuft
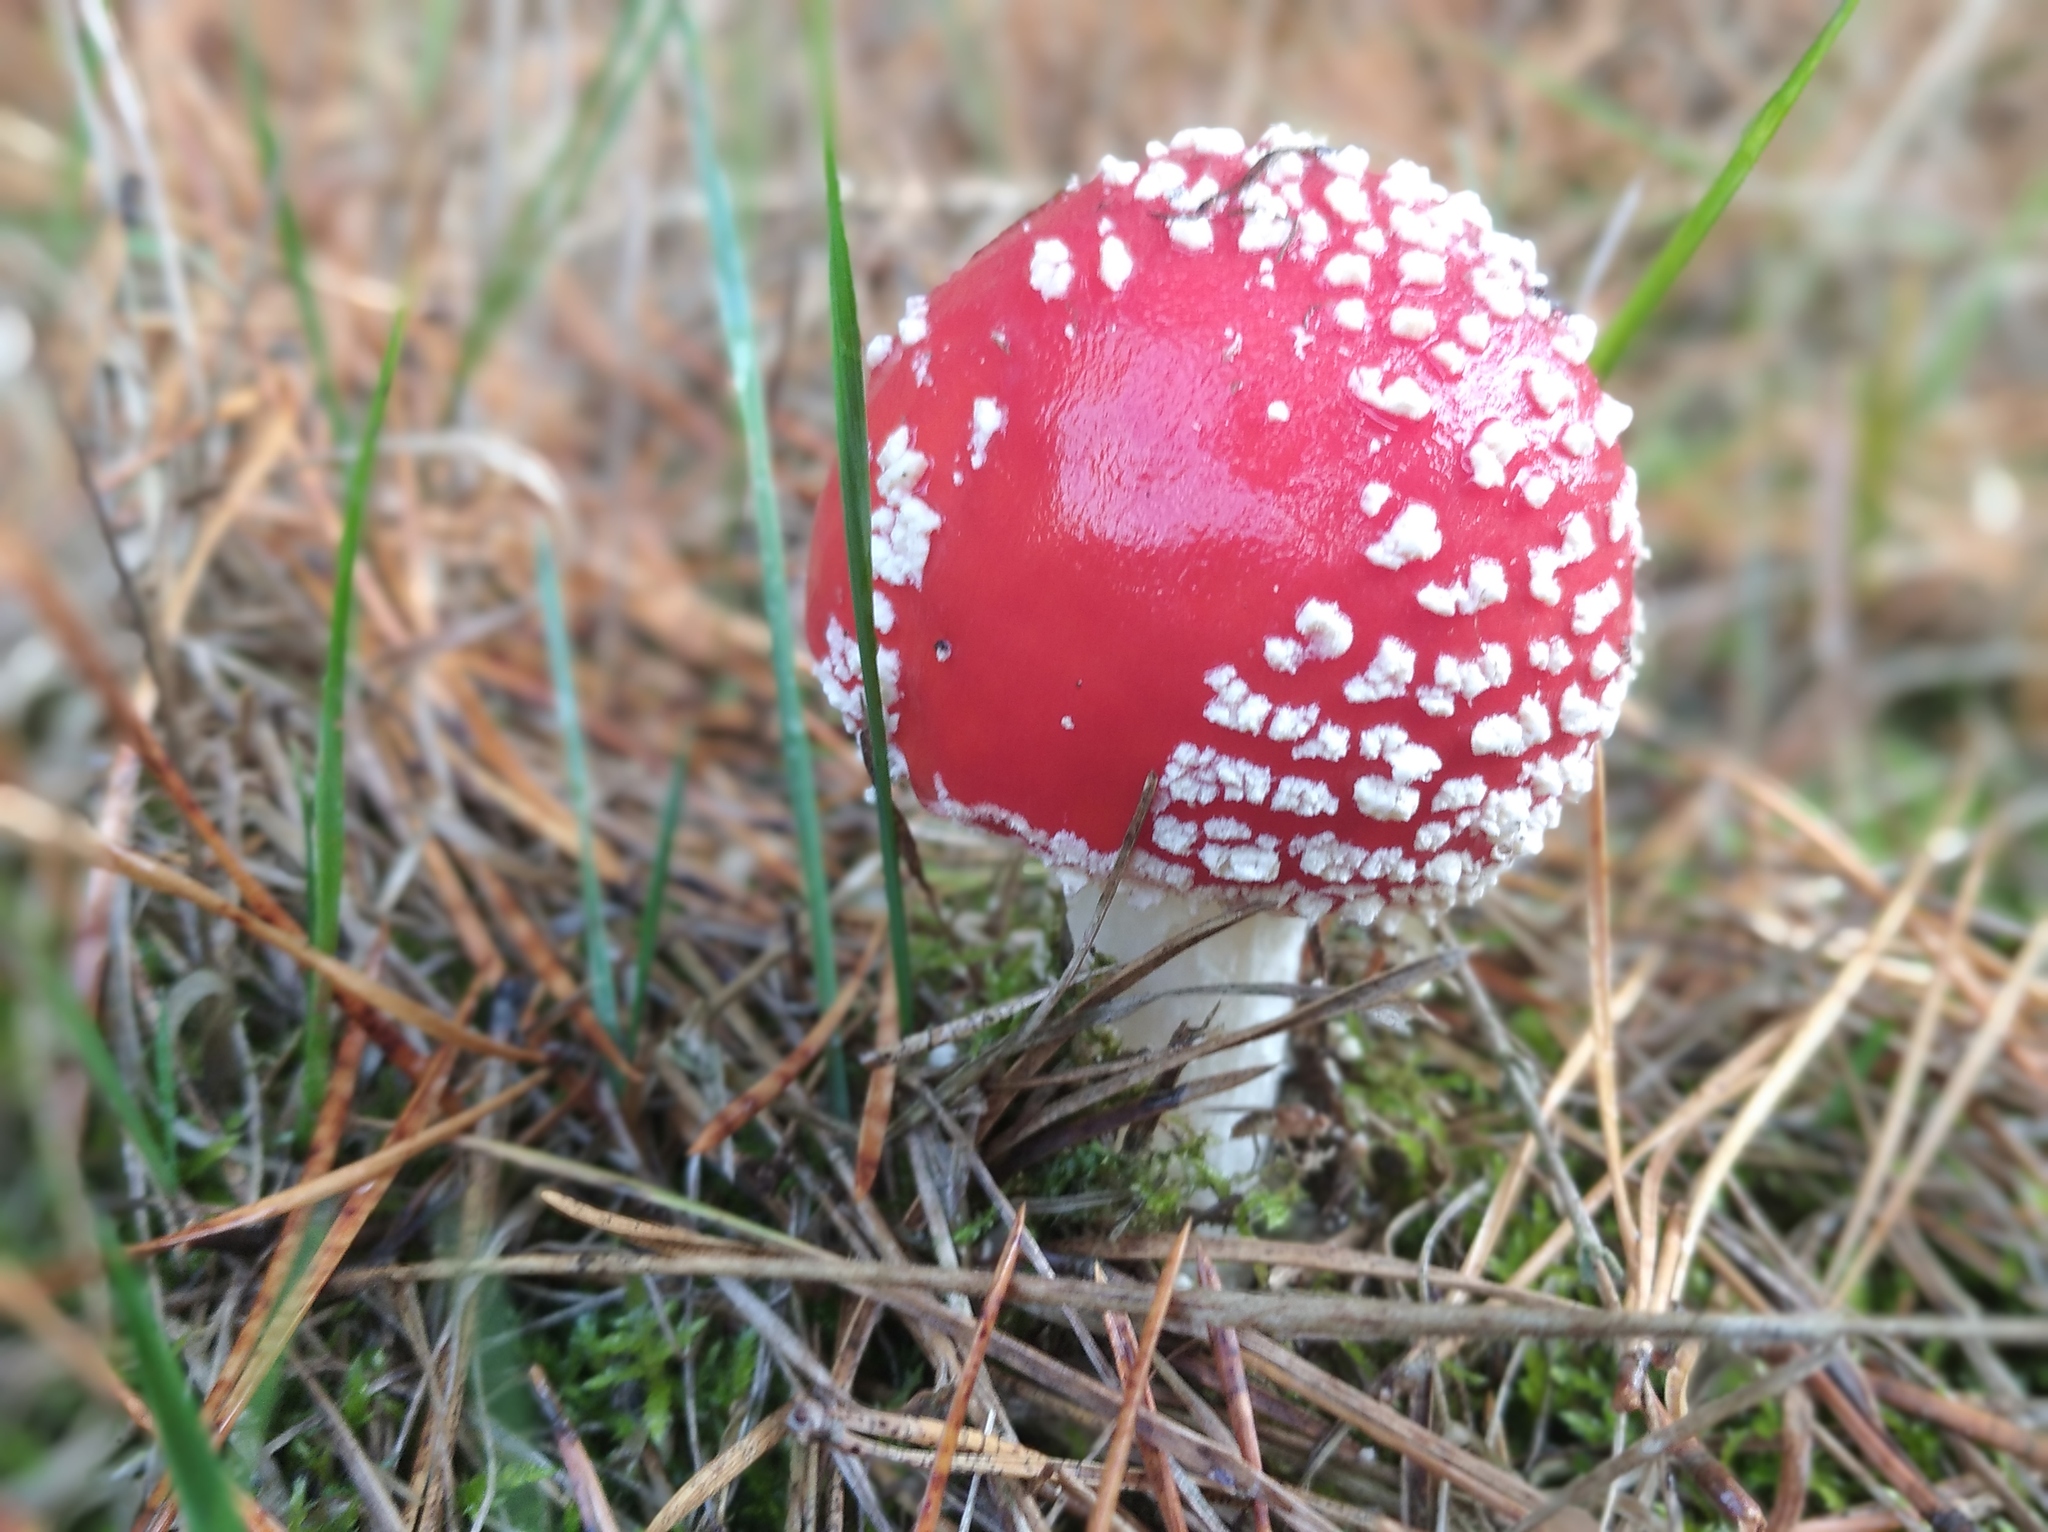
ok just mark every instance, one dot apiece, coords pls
pixel 850 410
pixel 373 1366
pixel 597 947
pixel 329 809
pixel 1692 231
pixel 735 314
pixel 656 900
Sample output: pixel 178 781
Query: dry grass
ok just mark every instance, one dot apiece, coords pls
pixel 1793 1084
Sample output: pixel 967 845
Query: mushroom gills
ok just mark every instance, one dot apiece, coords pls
pixel 1261 949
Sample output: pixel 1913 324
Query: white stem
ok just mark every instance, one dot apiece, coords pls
pixel 1262 949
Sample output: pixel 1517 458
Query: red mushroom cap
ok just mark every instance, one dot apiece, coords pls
pixel 1265 472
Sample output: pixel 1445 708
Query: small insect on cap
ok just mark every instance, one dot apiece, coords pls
pixel 1270 473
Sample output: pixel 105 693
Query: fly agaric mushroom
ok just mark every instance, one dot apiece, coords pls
pixel 1277 476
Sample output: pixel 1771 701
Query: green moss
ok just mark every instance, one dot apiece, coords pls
pixel 1400 1101
pixel 514 1476
pixel 618 1374
pixel 621 1379
pixel 1579 1394
pixel 1156 1184
pixel 1753 1449
pixel 1528 1025
pixel 355 1400
pixel 1267 1210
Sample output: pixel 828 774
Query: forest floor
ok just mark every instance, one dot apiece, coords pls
pixel 431 1248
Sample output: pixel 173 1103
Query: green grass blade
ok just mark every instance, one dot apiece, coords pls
pixel 90 1049
pixel 735 313
pixel 291 239
pixel 325 849
pixel 597 947
pixel 1692 231
pixel 206 1500
pixel 656 900
pixel 849 395
pixel 555 197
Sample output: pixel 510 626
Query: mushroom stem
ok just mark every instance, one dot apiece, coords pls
pixel 1262 949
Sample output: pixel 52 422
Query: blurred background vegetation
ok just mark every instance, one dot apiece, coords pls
pixel 210 214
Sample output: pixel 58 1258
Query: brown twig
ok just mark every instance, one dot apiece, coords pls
pixel 881 1092
pixel 279 1327
pixel 23 567
pixel 933 1500
pixel 1813 1029
pixel 723 1471
pixel 1715 1479
pixel 29 819
pixel 346 1178
pixel 322 1145
pixel 656 1236
pixel 1880 1450
pixel 1983 1047
pixel 1123 1345
pixel 1499 1490
pixel 1117 1455
pixel 1795 1460
pixel 138 612
pixel 1962 1416
pixel 1306 1315
pixel 1237 1395
pixel 742 1109
pixel 577 1468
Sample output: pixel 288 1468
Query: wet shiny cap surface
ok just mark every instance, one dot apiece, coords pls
pixel 1268 470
